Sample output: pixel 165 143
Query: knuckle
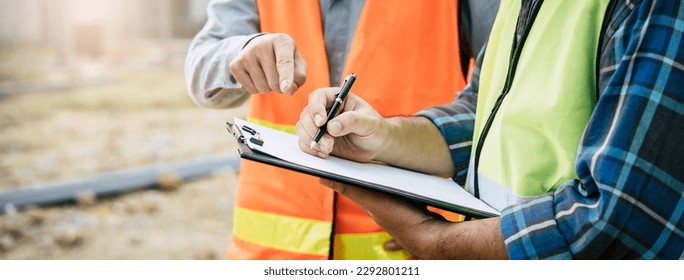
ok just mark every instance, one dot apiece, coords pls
pixel 306 120
pixel 352 120
pixel 283 38
pixel 313 95
pixel 302 115
pixel 252 48
pixel 301 79
pixel 251 88
pixel 305 148
pixel 274 85
pixel 262 89
pixel 234 67
pixel 260 48
pixel 283 60
pixel 240 62
pixel 253 52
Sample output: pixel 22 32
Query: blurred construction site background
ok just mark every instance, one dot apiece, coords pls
pixel 48 45
pixel 92 87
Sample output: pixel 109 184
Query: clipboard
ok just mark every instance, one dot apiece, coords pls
pixel 269 146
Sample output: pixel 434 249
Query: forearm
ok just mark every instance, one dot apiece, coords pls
pixel 478 239
pixel 415 143
pixel 230 25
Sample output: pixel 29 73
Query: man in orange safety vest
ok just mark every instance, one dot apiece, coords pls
pixel 407 55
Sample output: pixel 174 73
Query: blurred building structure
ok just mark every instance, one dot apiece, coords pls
pixel 93 28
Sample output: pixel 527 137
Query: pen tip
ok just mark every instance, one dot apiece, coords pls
pixel 313 144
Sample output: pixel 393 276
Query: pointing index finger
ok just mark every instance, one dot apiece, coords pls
pixel 285 54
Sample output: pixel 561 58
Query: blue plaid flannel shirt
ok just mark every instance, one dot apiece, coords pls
pixel 628 200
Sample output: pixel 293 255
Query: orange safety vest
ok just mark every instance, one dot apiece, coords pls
pixel 406 57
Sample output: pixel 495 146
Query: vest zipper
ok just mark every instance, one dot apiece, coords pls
pixel 516 50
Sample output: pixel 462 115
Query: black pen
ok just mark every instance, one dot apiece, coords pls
pixel 340 96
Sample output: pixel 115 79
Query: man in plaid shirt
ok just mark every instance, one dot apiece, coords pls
pixel 627 198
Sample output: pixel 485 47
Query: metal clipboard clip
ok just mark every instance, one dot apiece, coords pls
pixel 237 132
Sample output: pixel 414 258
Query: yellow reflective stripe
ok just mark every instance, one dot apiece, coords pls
pixel 366 246
pixel 282 127
pixel 282 232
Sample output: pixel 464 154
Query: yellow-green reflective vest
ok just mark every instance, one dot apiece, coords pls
pixel 535 99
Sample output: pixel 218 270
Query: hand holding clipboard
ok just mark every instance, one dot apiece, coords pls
pixel 282 149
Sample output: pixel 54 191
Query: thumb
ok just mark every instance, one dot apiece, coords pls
pixel 352 122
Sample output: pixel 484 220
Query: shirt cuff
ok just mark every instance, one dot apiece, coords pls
pixel 222 90
pixel 530 231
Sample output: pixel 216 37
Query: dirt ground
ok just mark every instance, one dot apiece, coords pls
pixel 138 116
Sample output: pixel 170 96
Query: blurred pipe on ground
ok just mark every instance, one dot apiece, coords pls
pixel 164 176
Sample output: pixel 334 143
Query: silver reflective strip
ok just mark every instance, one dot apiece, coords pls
pixel 491 192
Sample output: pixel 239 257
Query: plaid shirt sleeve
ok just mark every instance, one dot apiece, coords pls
pixel 629 199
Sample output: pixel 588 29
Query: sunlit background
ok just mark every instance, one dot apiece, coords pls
pixel 90 37
pixel 93 88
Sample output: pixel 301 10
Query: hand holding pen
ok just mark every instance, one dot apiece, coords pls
pixel 337 104
pixel 354 131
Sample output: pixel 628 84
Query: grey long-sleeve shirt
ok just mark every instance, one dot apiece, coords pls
pixel 232 23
